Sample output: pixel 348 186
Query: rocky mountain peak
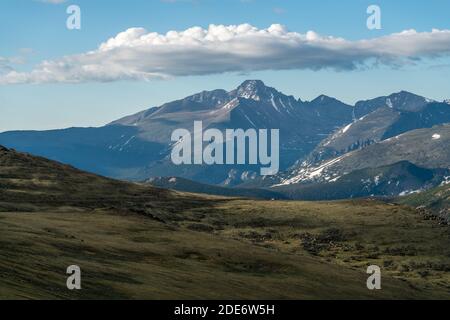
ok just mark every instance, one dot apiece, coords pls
pixel 406 101
pixel 254 90
pixel 252 85
pixel 213 97
pixel 323 99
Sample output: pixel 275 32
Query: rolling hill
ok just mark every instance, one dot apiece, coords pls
pixel 435 201
pixel 134 241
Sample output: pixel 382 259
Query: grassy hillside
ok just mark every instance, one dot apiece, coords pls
pixel 30 183
pixel 134 241
pixel 436 201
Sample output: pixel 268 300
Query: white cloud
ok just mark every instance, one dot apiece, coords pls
pixel 137 54
pixel 6 64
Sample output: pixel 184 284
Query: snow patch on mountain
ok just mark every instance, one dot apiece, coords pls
pixel 346 128
pixel 409 192
pixel 313 173
pixel 377 180
pixel 122 146
pixel 389 103
pixel 282 103
pixel 230 105
pixel 272 100
pixel 446 180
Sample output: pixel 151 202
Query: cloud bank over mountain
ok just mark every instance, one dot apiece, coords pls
pixel 137 54
pixel 6 64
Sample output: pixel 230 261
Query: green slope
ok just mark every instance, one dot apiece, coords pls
pixel 436 201
pixel 134 241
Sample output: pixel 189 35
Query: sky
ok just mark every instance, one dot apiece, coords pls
pixel 130 55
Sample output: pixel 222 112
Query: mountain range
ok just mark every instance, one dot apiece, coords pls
pixel 324 143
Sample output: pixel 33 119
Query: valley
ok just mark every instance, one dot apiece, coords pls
pixel 134 241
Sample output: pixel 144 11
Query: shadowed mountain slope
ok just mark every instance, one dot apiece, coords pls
pixel 388 117
pixel 138 147
pixel 426 148
pixel 398 179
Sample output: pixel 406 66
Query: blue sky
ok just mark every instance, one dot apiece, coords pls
pixel 32 31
